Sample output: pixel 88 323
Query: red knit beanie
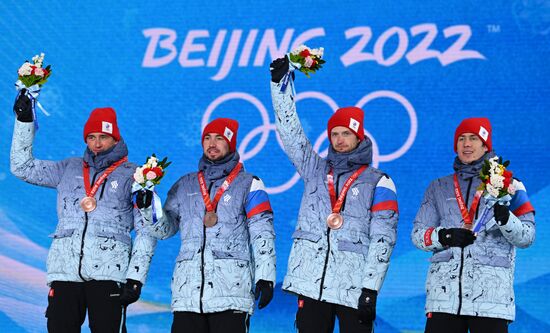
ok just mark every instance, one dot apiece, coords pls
pixel 350 117
pixel 102 120
pixel 225 127
pixel 478 126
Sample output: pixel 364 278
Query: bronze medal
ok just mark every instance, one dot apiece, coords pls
pixel 335 221
pixel 210 219
pixel 88 204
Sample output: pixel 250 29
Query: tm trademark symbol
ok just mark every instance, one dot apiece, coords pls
pixel 493 28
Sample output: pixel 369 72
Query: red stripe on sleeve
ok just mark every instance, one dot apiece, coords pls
pixel 264 206
pixel 385 205
pixel 524 209
pixel 428 236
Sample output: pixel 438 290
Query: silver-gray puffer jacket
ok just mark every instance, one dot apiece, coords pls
pixel 217 267
pixel 95 245
pixel 334 265
pixel 477 280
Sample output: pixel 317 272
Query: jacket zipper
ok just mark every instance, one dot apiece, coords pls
pixel 81 256
pixel 102 189
pixel 202 254
pixel 462 256
pixel 328 242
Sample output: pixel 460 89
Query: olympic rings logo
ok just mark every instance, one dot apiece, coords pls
pixel 266 127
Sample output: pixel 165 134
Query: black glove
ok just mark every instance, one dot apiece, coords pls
pixel 501 213
pixel 458 237
pixel 144 198
pixel 265 288
pixel 367 306
pixel 130 292
pixel 279 67
pixel 23 107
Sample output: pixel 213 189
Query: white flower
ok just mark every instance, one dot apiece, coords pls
pixel 25 69
pixel 318 52
pixel 497 181
pixel 138 175
pixel 152 162
pixel 38 60
pixel 492 190
pixel 299 49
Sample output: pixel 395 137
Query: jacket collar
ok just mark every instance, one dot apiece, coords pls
pixel 104 159
pixel 214 170
pixel 342 162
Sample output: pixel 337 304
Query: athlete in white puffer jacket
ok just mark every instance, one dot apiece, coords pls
pixel 470 280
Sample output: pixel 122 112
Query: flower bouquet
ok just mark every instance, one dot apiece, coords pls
pixel 150 174
pixel 145 179
pixel 34 74
pixel 496 186
pixel 307 60
pixel 31 77
pixel 496 181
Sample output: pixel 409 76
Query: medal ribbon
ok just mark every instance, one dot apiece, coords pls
pixel 337 204
pixel 90 191
pixel 468 217
pixel 212 204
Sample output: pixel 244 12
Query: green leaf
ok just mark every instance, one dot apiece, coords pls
pixel 506 164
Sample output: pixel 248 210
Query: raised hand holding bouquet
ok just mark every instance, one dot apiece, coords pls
pixel 31 77
pixel 146 177
pixel 304 59
pixel 496 186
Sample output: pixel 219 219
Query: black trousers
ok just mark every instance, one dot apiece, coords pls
pixel 217 322
pixel 68 302
pixel 314 316
pixel 449 323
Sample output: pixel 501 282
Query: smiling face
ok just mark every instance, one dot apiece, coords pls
pixel 214 146
pixel 343 140
pixel 470 148
pixel 99 142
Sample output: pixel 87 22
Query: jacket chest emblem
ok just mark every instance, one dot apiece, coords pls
pixel 114 186
pixel 226 198
pixel 355 191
